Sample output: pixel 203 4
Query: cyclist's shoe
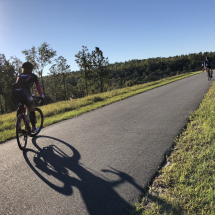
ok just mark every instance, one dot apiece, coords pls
pixel 35 130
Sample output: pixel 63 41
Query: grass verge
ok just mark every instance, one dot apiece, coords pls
pixel 186 184
pixel 59 111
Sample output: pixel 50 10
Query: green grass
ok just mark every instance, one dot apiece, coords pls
pixel 186 185
pixel 59 111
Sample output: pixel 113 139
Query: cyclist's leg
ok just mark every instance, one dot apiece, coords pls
pixel 206 69
pixel 16 96
pixel 32 116
pixel 30 107
pixel 32 113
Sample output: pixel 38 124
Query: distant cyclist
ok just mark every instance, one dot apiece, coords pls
pixel 203 67
pixel 21 93
pixel 208 66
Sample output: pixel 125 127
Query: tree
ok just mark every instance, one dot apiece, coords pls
pixel 7 78
pixel 84 61
pixel 17 63
pixel 31 55
pixel 40 57
pixel 55 82
pixel 100 66
pixel 63 68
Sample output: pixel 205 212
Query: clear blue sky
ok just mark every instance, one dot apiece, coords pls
pixel 122 29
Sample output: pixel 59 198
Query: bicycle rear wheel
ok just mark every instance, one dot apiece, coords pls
pixel 21 133
pixel 39 121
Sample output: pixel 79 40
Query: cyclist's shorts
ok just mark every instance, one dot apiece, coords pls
pixel 22 95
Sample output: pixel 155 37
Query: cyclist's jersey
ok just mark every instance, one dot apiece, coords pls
pixel 21 89
pixel 208 63
pixel 26 80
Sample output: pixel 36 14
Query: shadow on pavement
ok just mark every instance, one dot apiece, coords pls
pixel 97 193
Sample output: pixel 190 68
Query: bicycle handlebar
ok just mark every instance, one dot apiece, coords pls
pixel 38 97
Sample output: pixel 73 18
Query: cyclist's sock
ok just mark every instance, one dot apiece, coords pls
pixel 33 118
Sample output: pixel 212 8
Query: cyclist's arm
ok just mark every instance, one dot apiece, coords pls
pixel 38 88
pixel 17 79
pixel 37 83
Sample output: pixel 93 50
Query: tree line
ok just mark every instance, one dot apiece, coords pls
pixel 95 75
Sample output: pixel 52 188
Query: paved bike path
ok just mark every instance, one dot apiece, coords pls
pixel 97 163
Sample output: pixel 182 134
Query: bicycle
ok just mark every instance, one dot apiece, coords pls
pixel 23 129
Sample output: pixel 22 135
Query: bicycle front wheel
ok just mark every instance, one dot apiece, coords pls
pixel 39 121
pixel 21 133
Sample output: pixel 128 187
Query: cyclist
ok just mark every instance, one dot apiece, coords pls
pixel 21 93
pixel 203 67
pixel 208 66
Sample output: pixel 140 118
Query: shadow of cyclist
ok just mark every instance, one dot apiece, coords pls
pixel 97 193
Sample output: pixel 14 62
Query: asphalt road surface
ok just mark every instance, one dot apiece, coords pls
pixel 97 163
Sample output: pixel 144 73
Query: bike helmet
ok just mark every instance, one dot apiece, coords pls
pixel 27 65
pixel 207 58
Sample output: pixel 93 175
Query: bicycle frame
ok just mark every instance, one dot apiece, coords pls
pixel 27 125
